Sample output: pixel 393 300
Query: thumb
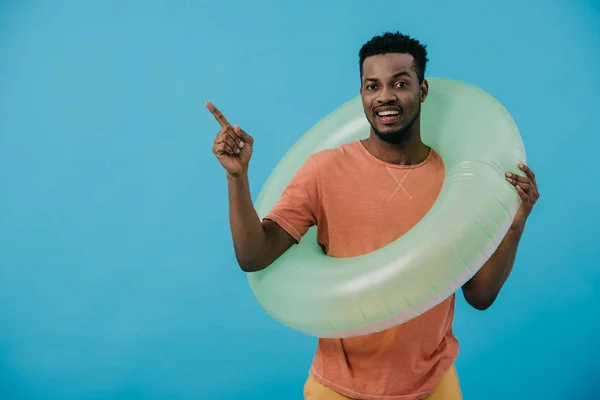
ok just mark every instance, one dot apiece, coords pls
pixel 243 135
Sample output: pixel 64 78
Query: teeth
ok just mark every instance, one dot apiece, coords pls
pixel 387 112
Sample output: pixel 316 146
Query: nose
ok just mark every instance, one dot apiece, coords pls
pixel 386 95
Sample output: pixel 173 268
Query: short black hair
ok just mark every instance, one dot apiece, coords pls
pixel 396 42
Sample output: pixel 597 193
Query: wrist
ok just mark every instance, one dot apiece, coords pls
pixel 238 176
pixel 518 226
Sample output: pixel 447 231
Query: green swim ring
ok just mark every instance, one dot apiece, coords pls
pixel 323 296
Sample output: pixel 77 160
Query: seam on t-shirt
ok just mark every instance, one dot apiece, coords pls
pixel 351 393
pixel 285 225
pixel 399 183
pixel 318 211
pixel 396 166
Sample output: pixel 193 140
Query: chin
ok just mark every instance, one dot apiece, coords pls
pixel 390 130
pixel 393 136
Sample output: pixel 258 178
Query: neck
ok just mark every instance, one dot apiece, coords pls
pixel 412 151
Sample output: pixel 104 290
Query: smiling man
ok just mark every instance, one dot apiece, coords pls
pixel 362 196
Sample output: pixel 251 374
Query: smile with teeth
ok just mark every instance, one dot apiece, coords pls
pixel 388 113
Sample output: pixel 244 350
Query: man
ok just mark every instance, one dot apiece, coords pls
pixel 362 196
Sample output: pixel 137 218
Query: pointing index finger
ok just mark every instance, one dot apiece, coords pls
pixel 217 114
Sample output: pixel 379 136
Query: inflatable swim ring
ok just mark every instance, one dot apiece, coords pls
pixel 342 297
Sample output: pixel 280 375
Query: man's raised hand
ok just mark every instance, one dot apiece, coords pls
pixel 232 146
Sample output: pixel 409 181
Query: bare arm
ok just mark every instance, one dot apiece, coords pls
pixel 257 244
pixel 483 289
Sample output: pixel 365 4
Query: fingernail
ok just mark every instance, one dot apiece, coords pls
pixel 521 166
pixel 508 174
pixel 241 144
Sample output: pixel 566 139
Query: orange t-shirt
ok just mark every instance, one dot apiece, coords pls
pixel 359 204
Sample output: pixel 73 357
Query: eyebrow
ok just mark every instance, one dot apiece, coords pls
pixel 399 74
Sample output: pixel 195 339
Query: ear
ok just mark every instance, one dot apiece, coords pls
pixel 423 90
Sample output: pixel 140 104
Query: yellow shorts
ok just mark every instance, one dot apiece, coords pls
pixel 448 388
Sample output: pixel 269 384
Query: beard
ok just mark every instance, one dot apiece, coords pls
pixel 398 137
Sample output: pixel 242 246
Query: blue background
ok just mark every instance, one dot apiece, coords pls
pixel 117 275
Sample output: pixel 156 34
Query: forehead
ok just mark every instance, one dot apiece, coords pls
pixel 382 66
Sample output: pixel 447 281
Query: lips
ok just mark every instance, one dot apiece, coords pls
pixel 388 114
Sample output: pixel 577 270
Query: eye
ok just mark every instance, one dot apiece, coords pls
pixel 402 84
pixel 371 87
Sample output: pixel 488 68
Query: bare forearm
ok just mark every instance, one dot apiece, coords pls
pixel 246 228
pixel 481 291
pixel 256 244
pixel 498 268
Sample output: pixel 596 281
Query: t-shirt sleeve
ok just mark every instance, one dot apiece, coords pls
pixel 297 209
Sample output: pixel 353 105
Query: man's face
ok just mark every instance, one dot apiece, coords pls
pixel 391 95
